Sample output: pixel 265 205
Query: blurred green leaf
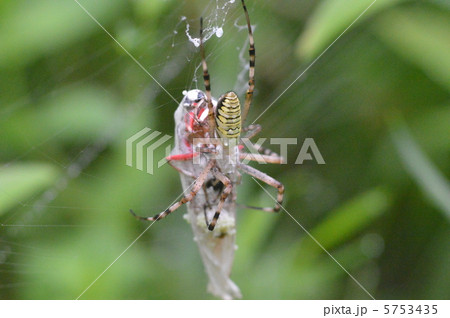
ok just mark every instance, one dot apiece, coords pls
pixel 85 269
pixel 432 182
pixel 420 36
pixel 434 123
pixel 344 222
pixel 71 114
pixel 81 112
pixel 319 278
pixel 331 18
pixel 29 29
pixel 20 181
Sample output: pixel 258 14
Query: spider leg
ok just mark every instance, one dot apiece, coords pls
pixel 268 180
pixel 251 70
pixel 251 131
pixel 275 158
pixel 265 151
pixel 204 65
pixel 226 191
pixel 198 183
pixel 207 83
pixel 265 155
pixel 207 204
pixel 245 206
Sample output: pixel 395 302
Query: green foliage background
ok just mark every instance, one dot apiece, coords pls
pixel 376 104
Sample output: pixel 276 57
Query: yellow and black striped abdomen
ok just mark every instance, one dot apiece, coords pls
pixel 228 116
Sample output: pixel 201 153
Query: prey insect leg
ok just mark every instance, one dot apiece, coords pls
pixel 182 157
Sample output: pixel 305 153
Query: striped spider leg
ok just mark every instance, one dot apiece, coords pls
pixel 267 156
pixel 198 183
pixel 255 173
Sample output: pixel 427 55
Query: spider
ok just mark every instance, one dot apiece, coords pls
pixel 208 133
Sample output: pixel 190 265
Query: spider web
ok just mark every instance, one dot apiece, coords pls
pixel 28 225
